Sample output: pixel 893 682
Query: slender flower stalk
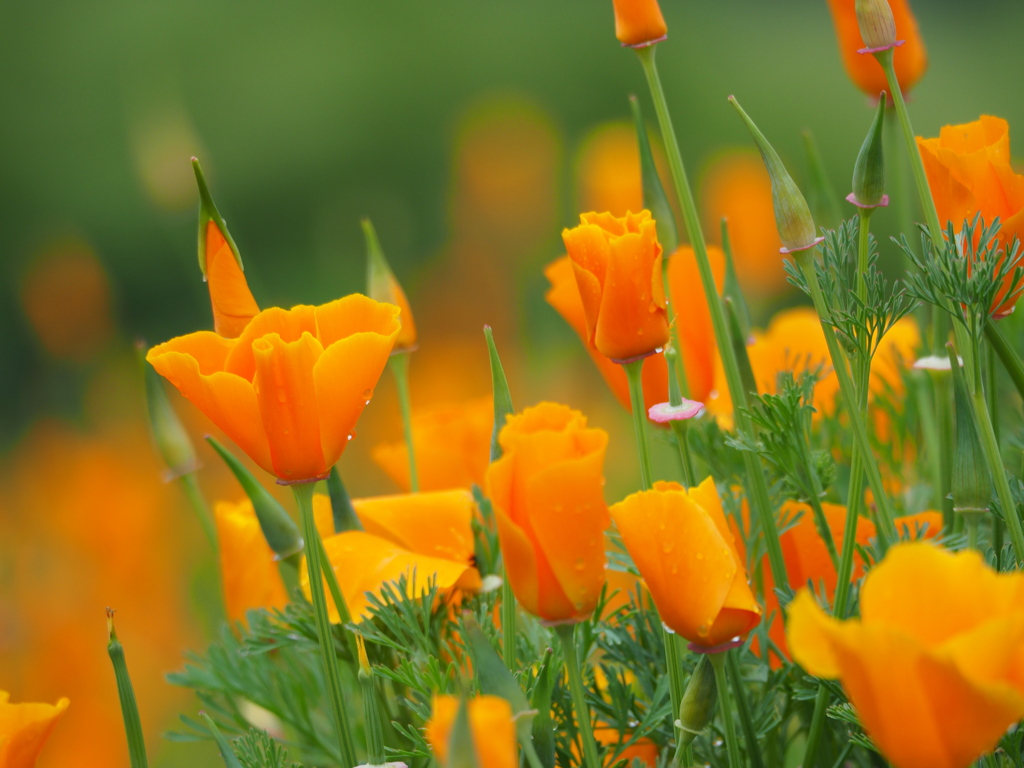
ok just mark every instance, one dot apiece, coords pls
pixel 732 667
pixel 758 487
pixel 190 487
pixel 634 372
pixel 1011 361
pixel 126 694
pixel 304 498
pixel 732 742
pixel 566 636
pixel 399 364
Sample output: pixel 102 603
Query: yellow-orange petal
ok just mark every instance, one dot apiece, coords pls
pixel 430 523
pixel 287 398
pixel 248 567
pixel 24 729
pixel 289 324
pixel 490 723
pixel 809 633
pixel 638 22
pixel 230 297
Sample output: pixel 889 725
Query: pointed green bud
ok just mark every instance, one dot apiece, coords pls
pixel 169 434
pixel 208 212
pixel 502 396
pixel 227 754
pixel 877 26
pixel 126 695
pixel 277 525
pixel 381 285
pixel 792 216
pixel 869 170
pixel 345 518
pixel 971 485
pixel 699 701
pixel 731 285
pixel 822 197
pixel 655 199
pixel 373 724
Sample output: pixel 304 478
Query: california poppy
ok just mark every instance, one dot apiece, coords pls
pixel 491 726
pixel 289 390
pixel 932 664
pixel 547 493
pixel 639 22
pixel 438 523
pixel 24 729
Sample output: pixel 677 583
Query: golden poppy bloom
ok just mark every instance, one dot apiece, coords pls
pixel 289 390
pixel 453 447
pixel 608 170
pixel 438 523
pixel 639 22
pixel 693 319
pixel 686 554
pixel 24 729
pixel 969 172
pixel 617 263
pixel 232 301
pixel 490 723
pixel 910 60
pixel 932 665
pixel 547 493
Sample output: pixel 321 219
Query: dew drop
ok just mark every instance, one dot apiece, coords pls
pixel 367 394
pixel 580 564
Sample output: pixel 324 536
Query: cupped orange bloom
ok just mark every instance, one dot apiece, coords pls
pixel 617 263
pixel 933 666
pixel 639 22
pixel 681 544
pixel 289 390
pixel 232 301
pixel 693 319
pixel 910 59
pixel 969 172
pixel 547 494
pixel 248 566
pixel 453 447
pixel 24 729
pixel 490 724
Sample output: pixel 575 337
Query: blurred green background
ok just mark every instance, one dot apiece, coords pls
pixel 308 116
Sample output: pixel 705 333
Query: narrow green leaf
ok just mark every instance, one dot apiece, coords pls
pixel 655 199
pixel 502 396
pixel 226 752
pixel 126 694
pixel 345 518
pixel 543 728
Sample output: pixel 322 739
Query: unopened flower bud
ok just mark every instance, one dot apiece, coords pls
pixel 869 170
pixel 382 286
pixel 877 26
pixel 639 22
pixel 792 216
pixel 971 485
pixel 699 701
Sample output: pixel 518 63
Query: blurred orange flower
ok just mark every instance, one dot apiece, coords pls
pixel 969 172
pixel 639 22
pixel 230 297
pixel 617 262
pixel 932 666
pixel 289 390
pixel 24 729
pixel 608 170
pixel 910 59
pixel 642 749
pixel 453 447
pixel 491 726
pixel 683 548
pixel 547 493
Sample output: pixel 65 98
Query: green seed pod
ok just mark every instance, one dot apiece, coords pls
pixel 971 486
pixel 877 26
pixel 869 170
pixel 699 701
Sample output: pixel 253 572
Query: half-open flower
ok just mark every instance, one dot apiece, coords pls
pixel 289 390
pixel 639 22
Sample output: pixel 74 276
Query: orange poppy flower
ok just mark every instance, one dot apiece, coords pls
pixel 683 548
pixel 24 729
pixel 639 22
pixel 617 263
pixel 693 319
pixel 491 726
pixel 969 172
pixel 547 493
pixel 932 666
pixel 643 749
pixel 232 301
pixel 910 59
pixel 453 447
pixel 436 523
pixel 289 390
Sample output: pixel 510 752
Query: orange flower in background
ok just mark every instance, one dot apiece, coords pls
pixel 453 447
pixel 490 724
pixel 232 301
pixel 547 493
pixel 24 729
pixel 735 186
pixel 686 554
pixel 910 59
pixel 436 523
pixel 639 22
pixel 289 390
pixel 933 664
pixel 608 170
pixel 642 749
pixel 969 172
pixel 617 262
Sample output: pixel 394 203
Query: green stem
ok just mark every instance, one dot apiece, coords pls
pixel 930 437
pixel 817 727
pixel 683 757
pixel 344 617
pixel 972 521
pixel 674 665
pixel 679 362
pixel 1007 354
pixel 565 634
pixel 680 429
pixel 400 369
pixel 634 374
pixel 304 498
pixel 126 695
pixel 760 500
pixel 190 486
pixel 509 620
pixel 732 743
pixel 944 417
pixel 886 521
pixel 732 666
